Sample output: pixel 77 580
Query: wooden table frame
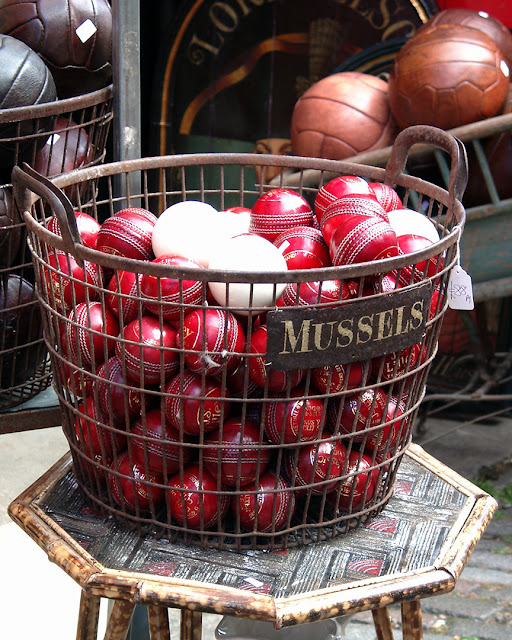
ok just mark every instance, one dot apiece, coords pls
pixel 159 592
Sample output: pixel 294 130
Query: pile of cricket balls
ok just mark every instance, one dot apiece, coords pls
pixel 177 411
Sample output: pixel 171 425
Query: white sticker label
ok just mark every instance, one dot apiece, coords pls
pixel 53 139
pixel 460 290
pixel 86 30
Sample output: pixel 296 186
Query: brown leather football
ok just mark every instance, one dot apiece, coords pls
pixel 477 20
pixel 447 76
pixel 342 115
pixel 73 37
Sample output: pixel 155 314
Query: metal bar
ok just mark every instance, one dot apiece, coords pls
pixel 126 75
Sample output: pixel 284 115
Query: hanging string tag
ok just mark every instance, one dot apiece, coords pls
pixel 460 290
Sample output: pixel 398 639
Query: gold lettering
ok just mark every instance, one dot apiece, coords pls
pixel 400 321
pixel 318 335
pixel 197 48
pixel 417 314
pixel 346 333
pixel 293 340
pixel 225 12
pixel 385 329
pixel 390 31
pixel 364 327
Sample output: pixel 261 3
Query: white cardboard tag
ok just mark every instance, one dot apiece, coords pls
pixel 460 290
pixel 86 30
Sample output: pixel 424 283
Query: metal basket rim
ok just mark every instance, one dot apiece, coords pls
pixel 56 107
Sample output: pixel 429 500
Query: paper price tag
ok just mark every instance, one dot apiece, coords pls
pixel 460 290
pixel 86 30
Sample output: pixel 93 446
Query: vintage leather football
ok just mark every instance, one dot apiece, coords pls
pixel 73 37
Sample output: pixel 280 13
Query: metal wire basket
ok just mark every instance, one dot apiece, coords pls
pixel 267 442
pixel 55 138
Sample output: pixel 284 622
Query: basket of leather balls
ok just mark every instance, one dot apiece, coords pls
pixel 241 367
pixel 55 114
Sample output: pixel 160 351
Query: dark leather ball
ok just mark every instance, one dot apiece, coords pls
pixel 73 37
pixel 447 76
pixel 25 80
pixel 20 325
pixel 10 228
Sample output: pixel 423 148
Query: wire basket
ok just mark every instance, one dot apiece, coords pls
pixel 269 435
pixel 55 138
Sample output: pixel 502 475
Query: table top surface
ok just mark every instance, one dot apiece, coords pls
pixel 416 546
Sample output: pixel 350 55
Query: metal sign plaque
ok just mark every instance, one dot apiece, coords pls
pixel 311 337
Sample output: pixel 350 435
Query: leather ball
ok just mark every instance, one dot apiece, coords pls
pixel 342 115
pixel 476 20
pixel 20 325
pixel 73 37
pixel 447 76
pixel 10 228
pixel 24 80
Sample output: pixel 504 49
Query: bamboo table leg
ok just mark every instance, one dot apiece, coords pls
pixel 158 623
pixel 87 628
pixel 412 626
pixel 191 625
pixel 382 623
pixel 119 621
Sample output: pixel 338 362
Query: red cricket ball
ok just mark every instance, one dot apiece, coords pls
pixel 87 226
pixel 393 431
pixel 362 239
pixel 337 188
pixel 358 412
pixel 195 403
pixel 386 196
pixel 425 268
pixel 94 433
pixel 237 452
pixel 148 350
pixel 132 488
pixel 160 443
pixel 339 211
pixel 277 211
pixel 386 284
pixel 319 464
pixel 303 248
pixel 330 293
pixel 392 365
pixel 67 283
pixel 212 340
pixel 115 395
pixel 294 417
pixel 91 330
pixel 358 489
pixel 128 233
pixel 170 296
pixel 124 296
pixel 338 377
pixel 267 507
pixel 240 384
pixel 197 502
pixel 263 374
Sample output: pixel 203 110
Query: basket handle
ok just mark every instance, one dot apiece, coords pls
pixel 425 134
pixel 27 180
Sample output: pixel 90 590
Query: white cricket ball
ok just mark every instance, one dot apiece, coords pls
pixel 186 229
pixel 405 222
pixel 252 254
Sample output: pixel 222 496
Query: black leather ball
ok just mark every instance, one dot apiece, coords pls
pixel 25 80
pixel 10 228
pixel 73 37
